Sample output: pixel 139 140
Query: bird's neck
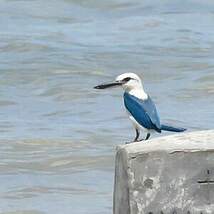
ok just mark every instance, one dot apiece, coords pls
pixel 138 92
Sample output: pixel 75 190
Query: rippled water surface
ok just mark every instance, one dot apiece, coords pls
pixel 57 134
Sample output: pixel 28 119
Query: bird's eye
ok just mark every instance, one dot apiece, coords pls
pixel 127 79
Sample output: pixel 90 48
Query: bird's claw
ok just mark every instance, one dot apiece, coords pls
pixel 135 141
pixel 142 139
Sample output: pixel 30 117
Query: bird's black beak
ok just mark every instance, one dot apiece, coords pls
pixel 108 85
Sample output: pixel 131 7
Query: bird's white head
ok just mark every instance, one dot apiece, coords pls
pixel 130 81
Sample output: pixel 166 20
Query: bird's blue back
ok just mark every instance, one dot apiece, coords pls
pixel 144 111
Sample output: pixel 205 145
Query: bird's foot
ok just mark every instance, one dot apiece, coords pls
pixel 134 141
pixel 142 139
pixel 146 138
pixel 129 142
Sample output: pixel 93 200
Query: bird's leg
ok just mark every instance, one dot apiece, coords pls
pixel 137 135
pixel 147 136
pixel 136 138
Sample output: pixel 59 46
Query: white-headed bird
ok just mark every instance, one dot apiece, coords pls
pixel 140 107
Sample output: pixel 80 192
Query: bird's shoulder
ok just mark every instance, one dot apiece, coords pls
pixel 141 100
pixel 147 104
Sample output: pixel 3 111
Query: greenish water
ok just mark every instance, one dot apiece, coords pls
pixel 57 134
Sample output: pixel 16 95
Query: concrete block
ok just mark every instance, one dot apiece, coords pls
pixel 167 175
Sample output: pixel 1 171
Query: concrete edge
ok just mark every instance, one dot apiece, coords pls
pixel 121 182
pixel 182 142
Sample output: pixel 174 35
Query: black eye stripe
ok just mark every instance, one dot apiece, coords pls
pixel 127 79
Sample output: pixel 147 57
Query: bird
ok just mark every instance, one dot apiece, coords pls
pixel 139 106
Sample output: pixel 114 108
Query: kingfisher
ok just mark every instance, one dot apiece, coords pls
pixel 139 106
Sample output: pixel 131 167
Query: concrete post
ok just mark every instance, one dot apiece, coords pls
pixel 166 175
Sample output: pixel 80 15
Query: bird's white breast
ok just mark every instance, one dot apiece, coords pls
pixel 139 93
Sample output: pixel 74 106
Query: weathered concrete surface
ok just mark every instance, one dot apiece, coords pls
pixel 166 175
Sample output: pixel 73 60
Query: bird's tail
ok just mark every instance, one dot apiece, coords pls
pixel 172 129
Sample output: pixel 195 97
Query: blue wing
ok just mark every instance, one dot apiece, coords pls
pixel 144 111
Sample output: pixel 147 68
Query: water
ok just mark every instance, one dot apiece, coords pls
pixel 57 134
